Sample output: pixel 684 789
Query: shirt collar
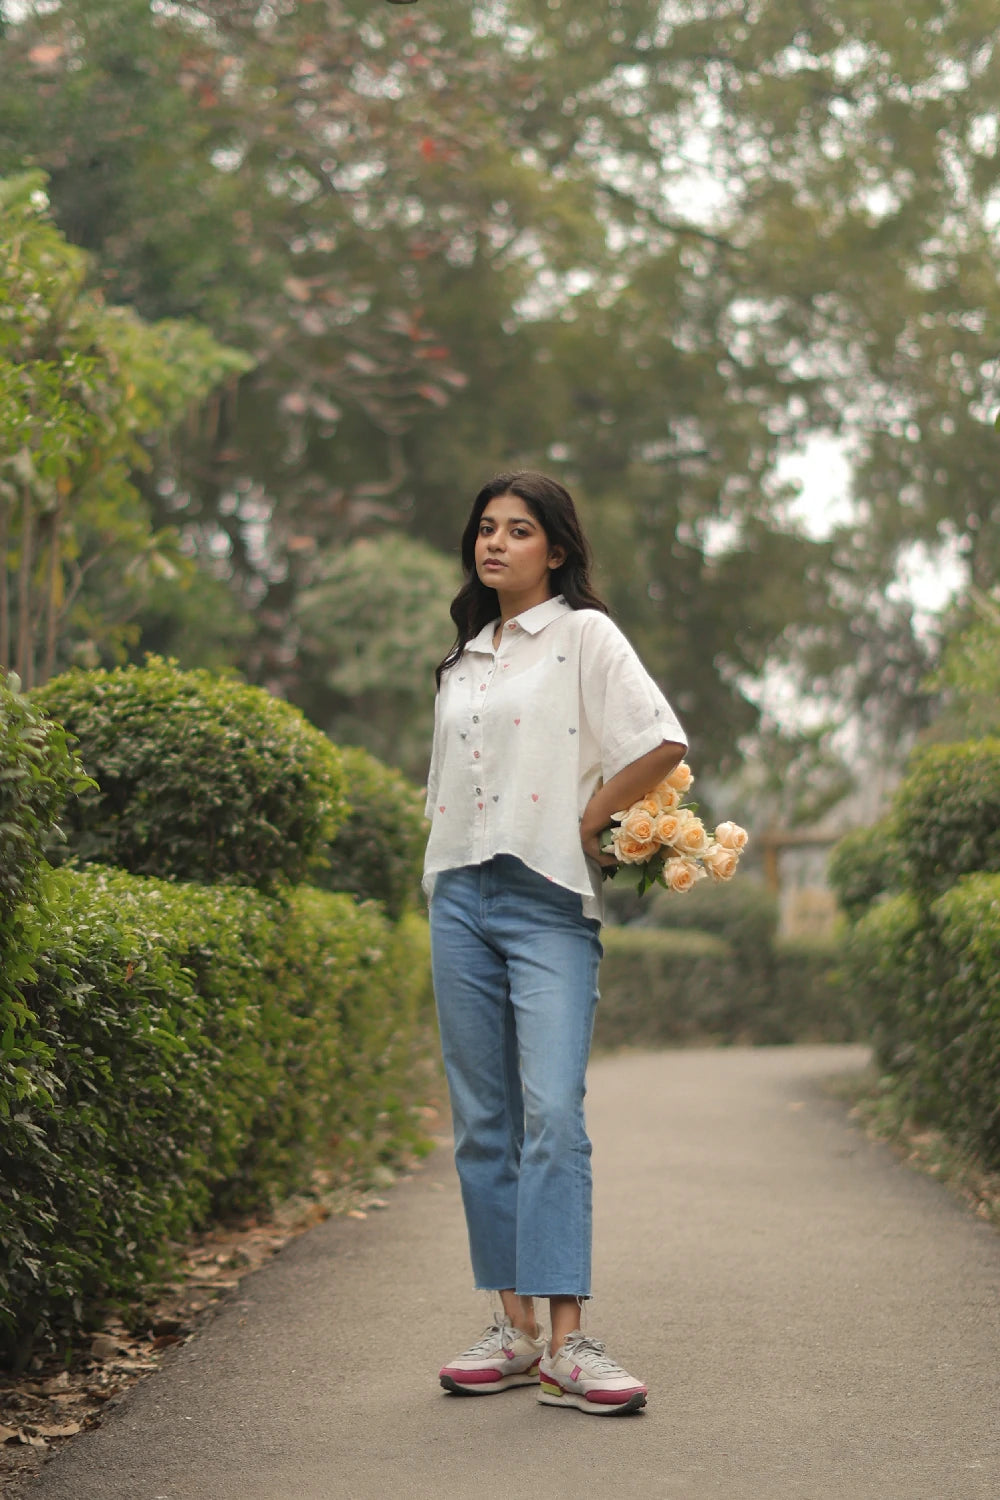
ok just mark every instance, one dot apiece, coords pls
pixel 532 621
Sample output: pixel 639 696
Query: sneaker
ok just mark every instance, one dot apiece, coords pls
pixel 503 1357
pixel 582 1375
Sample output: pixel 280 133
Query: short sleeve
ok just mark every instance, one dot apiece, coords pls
pixel 627 714
pixel 434 770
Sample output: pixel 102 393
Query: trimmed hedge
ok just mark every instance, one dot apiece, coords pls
pixel 378 852
pixel 930 976
pixel 864 865
pixel 947 813
pixel 37 773
pixel 199 777
pixel 663 988
pixel 192 1049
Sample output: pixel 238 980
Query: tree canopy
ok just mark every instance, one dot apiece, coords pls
pixel 649 247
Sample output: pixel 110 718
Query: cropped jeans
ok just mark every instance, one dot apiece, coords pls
pixel 515 977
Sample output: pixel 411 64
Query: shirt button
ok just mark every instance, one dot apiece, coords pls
pixel 475 718
pixel 479 791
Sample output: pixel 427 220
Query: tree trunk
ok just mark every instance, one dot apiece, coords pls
pixel 25 654
pixel 51 607
pixel 5 660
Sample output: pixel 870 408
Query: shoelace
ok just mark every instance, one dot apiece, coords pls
pixel 497 1336
pixel 593 1356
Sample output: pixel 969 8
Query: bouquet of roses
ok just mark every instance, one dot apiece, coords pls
pixel 668 843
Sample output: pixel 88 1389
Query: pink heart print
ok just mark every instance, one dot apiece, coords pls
pixel 534 796
pixel 517 721
pixel 440 808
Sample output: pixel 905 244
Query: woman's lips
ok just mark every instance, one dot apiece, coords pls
pixel 493 563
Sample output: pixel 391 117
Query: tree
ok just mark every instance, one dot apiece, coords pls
pixel 374 625
pixel 459 239
pixel 80 386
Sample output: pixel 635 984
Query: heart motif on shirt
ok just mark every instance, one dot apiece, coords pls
pixel 461 679
pixel 572 731
pixel 656 713
pixel 506 665
pixel 496 797
pixel 534 796
pixel 480 806
pixel 440 809
pixel 517 721
pixel 463 734
pixel 560 658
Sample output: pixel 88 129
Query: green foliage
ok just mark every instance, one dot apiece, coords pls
pixel 82 388
pixel 864 865
pixel 195 1048
pixel 377 854
pixel 375 625
pixel 416 332
pixel 199 778
pixel 928 975
pixel 38 771
pixel 743 912
pixel 968 679
pixel 662 988
pixel 947 813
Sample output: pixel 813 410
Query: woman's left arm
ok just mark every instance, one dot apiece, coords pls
pixel 630 784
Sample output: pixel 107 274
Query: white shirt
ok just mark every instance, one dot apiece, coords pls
pixel 524 734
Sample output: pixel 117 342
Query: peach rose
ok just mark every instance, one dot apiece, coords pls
pixel 638 824
pixel 650 805
pixel 731 836
pixel 681 777
pixel 632 851
pixel 720 862
pixel 667 827
pixel 667 796
pixel 692 836
pixel 681 874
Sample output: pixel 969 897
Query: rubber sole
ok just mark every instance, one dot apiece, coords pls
pixel 594 1408
pixel 451 1384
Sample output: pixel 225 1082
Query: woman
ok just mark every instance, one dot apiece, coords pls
pixel 545 724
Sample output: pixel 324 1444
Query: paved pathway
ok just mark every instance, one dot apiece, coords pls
pixel 815 1321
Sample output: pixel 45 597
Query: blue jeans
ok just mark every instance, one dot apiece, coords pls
pixel 515 977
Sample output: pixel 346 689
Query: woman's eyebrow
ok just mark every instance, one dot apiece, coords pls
pixel 512 520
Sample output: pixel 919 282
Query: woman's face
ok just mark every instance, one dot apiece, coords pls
pixel 513 553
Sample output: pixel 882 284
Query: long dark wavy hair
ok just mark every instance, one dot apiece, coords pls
pixel 475 604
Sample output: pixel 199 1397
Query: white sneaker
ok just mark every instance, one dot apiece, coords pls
pixel 503 1357
pixel 582 1375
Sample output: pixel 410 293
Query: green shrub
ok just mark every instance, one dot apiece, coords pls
pixel 200 1048
pixel 961 1079
pixel 664 988
pixel 864 865
pixel 378 851
pixel 887 963
pixel 200 778
pixel 947 811
pixel 743 912
pixel 37 773
pixel 809 999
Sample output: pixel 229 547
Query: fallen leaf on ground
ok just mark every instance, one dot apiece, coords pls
pixel 67 1429
pixel 356 1213
pixel 8 1434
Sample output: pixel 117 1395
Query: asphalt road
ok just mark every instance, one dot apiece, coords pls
pixel 815 1321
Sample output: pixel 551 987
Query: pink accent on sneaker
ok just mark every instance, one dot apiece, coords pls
pixel 575 1374
pixel 472 1377
pixel 615 1398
